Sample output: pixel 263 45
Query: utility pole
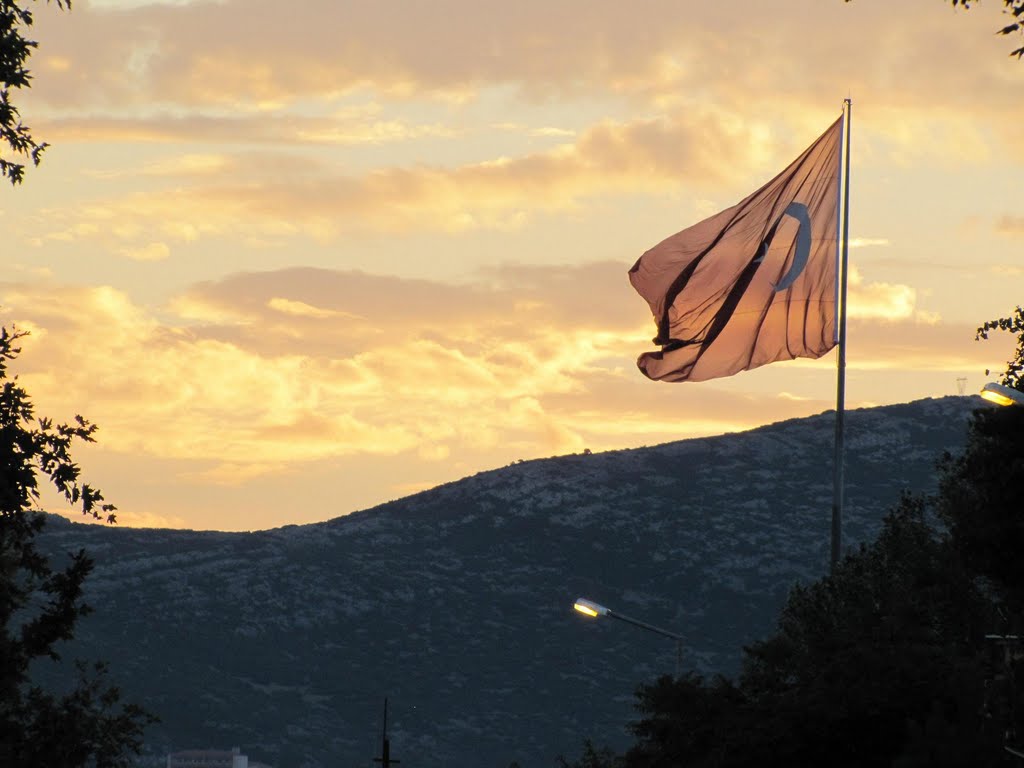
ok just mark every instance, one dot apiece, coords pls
pixel 385 745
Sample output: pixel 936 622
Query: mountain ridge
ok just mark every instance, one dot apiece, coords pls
pixel 456 602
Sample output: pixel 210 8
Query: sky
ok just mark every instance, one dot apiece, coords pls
pixel 298 260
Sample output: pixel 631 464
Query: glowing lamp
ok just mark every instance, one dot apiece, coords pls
pixel 589 607
pixel 1000 394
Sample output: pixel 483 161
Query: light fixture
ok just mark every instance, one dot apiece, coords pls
pixel 1000 394
pixel 592 609
pixel 589 607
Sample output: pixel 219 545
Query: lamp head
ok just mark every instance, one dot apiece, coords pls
pixel 589 607
pixel 1000 394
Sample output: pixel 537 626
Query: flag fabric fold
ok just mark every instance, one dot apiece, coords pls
pixel 753 284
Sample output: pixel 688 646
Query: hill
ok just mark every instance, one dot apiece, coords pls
pixel 457 602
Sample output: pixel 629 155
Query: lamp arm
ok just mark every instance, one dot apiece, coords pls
pixel 645 625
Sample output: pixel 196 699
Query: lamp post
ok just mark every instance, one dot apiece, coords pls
pixel 1000 394
pixel 592 609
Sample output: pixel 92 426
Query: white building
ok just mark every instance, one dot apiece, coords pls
pixel 208 758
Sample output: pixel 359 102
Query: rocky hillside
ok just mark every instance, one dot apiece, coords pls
pixel 456 603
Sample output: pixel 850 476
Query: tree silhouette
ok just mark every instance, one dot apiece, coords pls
pixel 906 655
pixel 15 49
pixel 85 724
pixel 1014 375
pixel 864 661
pixel 980 495
pixel 1012 8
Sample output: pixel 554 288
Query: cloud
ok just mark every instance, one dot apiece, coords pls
pixel 376 380
pixel 882 301
pixel 1008 270
pixel 243 57
pixel 302 309
pixel 926 317
pixel 162 390
pixel 136 518
pixel 269 196
pixel 245 54
pixel 191 164
pixel 276 130
pixel 1010 225
pixel 791 396
pixel 248 55
pixel 185 134
pixel 878 301
pixel 867 242
pixel 552 131
pixel 231 474
pixel 265 380
pixel 708 111
pixel 149 252
pixel 263 370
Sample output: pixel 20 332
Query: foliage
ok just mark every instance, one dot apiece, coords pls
pixel 907 655
pixel 980 499
pixel 691 720
pixel 1014 375
pixel 1014 9
pixel 593 757
pixel 863 662
pixel 40 604
pixel 980 492
pixel 15 50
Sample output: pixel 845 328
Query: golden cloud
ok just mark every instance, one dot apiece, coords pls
pixel 867 242
pixel 311 201
pixel 348 124
pixel 241 398
pixel 175 392
pixel 883 301
pixel 148 252
pixel 302 309
pixel 346 129
pixel 515 360
pixel 1010 225
pixel 242 54
pixel 235 71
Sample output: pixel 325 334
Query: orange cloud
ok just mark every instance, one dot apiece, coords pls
pixel 148 252
pixel 187 134
pixel 242 57
pixel 1010 225
pixel 882 301
pixel 269 197
pixel 345 129
pixel 303 364
pixel 244 54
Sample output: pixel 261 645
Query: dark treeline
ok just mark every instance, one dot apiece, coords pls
pixel 908 655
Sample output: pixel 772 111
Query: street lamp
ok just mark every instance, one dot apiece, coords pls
pixel 1000 394
pixel 592 609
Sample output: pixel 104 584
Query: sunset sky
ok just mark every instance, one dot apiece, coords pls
pixel 300 259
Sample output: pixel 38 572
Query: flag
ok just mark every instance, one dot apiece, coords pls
pixel 753 284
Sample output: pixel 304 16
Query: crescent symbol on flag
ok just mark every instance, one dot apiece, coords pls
pixel 799 212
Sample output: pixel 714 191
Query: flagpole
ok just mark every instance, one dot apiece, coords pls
pixel 838 461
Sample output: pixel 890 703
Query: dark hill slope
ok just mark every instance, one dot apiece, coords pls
pixel 456 602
